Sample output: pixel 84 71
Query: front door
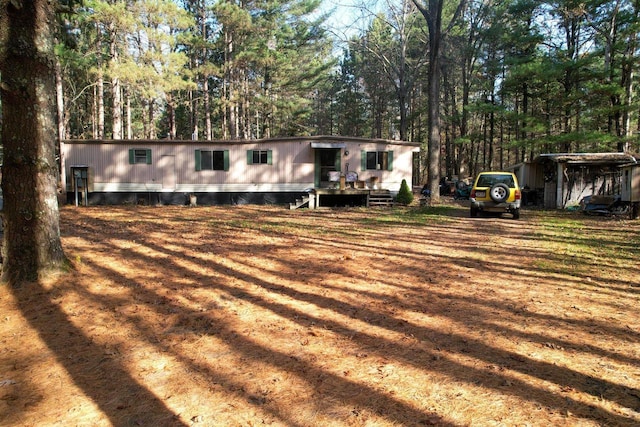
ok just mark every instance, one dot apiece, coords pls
pixel 167 166
pixel 327 160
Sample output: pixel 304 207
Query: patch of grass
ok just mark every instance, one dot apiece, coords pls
pixel 441 212
pixel 413 216
pixel 578 242
pixel 562 225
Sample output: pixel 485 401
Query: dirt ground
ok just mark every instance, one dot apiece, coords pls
pixel 256 315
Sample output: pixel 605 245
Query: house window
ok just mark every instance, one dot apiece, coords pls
pixel 377 160
pixel 259 157
pixel 140 156
pixel 217 160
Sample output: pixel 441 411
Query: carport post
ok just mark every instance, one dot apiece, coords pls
pixel 560 186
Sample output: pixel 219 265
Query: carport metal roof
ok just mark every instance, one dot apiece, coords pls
pixel 587 158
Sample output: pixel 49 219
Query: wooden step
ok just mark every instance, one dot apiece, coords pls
pixel 381 198
pixel 299 203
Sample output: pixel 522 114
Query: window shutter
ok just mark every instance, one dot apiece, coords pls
pixel 148 157
pixel 363 160
pixel 390 160
pixel 226 160
pixel 249 157
pixel 269 157
pixel 198 160
pixel 132 156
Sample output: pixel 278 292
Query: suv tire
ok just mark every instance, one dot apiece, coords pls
pixel 473 213
pixel 499 192
pixel 516 214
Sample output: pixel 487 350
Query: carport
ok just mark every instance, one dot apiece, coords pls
pixel 561 180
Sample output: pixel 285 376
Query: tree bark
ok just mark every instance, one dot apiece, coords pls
pixel 171 116
pixel 207 109
pixel 116 91
pixel 100 100
pixel 61 117
pixel 431 10
pixel 205 78
pixel 152 119
pixel 62 134
pixel 193 106
pixel 31 243
pixel 128 113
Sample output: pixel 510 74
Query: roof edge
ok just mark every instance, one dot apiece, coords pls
pixel 319 138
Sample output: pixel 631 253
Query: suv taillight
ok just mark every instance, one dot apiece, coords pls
pixel 473 194
pixel 518 194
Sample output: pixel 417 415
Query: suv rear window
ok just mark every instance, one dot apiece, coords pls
pixel 490 180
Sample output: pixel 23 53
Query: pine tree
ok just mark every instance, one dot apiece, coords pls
pixel 405 196
pixel 31 245
pixel 432 11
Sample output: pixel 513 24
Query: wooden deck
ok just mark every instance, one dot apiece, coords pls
pixel 330 197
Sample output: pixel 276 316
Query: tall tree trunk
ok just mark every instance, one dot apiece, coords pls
pixel 195 129
pixel 525 123
pixel 100 100
pixel 492 131
pixel 225 91
pixel 100 90
pixel 60 102
pixel 207 109
pixel 449 111
pixel 246 107
pixel 434 125
pixel 127 96
pixel 117 108
pixel 145 119
pixel 379 115
pixel 433 16
pixel 152 120
pixel 171 116
pixel 116 90
pixel 628 87
pixel 94 114
pixel 205 78
pixel 571 28
pixel 431 10
pixel 609 66
pixel 61 178
pixel 31 244
pixel 627 79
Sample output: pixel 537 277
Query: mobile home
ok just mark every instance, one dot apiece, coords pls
pixel 279 170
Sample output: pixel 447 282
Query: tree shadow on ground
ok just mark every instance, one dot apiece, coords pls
pixel 166 272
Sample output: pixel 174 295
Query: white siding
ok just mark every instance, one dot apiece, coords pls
pixel 292 168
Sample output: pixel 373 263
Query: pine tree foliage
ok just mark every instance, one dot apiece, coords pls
pixel 405 196
pixel 516 77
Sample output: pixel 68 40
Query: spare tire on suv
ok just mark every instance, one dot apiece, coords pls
pixel 499 192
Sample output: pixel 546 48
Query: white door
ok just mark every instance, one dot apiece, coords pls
pixel 167 166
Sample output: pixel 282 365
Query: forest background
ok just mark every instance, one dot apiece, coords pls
pixel 519 77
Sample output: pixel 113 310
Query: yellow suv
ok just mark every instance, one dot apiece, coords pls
pixel 495 192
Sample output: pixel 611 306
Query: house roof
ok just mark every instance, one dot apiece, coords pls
pixel 318 141
pixel 588 158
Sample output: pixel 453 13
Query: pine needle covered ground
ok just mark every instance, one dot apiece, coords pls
pixel 255 315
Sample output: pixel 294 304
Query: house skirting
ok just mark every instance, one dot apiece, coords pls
pixel 327 197
pixel 154 198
